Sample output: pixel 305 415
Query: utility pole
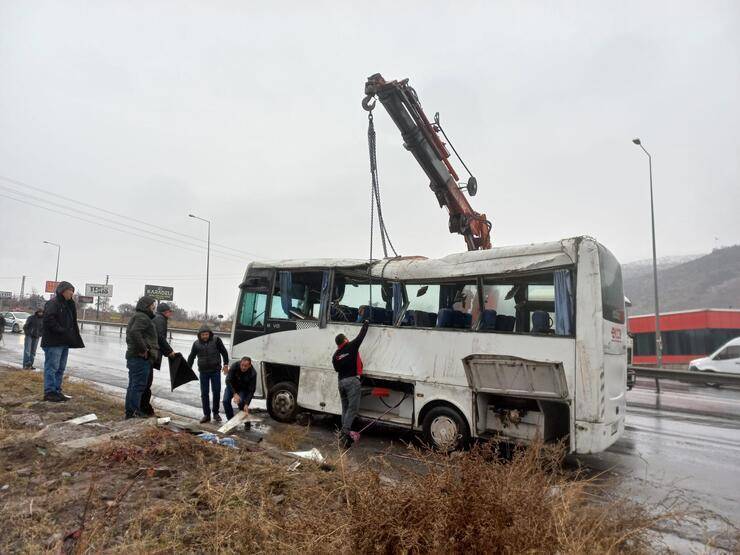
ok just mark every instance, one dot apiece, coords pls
pixel 23 286
pixel 208 255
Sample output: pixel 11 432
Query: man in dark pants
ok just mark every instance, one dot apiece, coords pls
pixel 241 382
pixel 141 354
pixel 59 334
pixel 32 330
pixel 348 364
pixel 209 349
pixel 160 324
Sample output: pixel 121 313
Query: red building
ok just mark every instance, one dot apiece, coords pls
pixel 686 335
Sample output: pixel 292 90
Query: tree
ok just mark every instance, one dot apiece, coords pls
pixel 126 309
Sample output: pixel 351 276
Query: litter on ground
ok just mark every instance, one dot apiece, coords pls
pixel 83 419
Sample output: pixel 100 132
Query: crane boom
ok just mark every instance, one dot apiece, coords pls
pixel 422 139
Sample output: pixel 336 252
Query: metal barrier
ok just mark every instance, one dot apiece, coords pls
pixel 121 327
pixel 691 376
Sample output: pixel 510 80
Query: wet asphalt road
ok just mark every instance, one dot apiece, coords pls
pixel 684 442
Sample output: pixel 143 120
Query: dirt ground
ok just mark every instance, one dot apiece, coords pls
pixel 142 488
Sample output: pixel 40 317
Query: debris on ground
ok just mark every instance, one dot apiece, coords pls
pixel 83 419
pixel 138 487
pixel 311 455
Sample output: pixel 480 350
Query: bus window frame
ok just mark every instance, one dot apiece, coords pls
pixel 469 280
pixel 511 279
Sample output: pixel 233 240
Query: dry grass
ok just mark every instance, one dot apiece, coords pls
pixel 288 438
pixel 212 499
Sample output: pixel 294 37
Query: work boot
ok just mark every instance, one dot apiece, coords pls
pixel 217 417
pixel 205 419
pixel 53 397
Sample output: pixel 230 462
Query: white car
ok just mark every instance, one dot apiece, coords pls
pixel 724 359
pixel 14 321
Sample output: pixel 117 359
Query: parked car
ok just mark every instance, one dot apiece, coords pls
pixel 725 359
pixel 14 321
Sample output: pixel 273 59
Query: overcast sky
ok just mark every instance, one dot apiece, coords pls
pixel 248 113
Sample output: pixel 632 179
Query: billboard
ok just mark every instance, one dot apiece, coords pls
pixel 51 286
pixel 159 292
pixel 82 299
pixel 98 290
pixel 6 295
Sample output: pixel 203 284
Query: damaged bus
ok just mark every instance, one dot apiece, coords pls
pixel 516 343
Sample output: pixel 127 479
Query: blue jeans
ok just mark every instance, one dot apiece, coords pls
pixel 228 396
pixel 212 380
pixel 30 344
pixel 55 363
pixel 138 375
pixel 350 393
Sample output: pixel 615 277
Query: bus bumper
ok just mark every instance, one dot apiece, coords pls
pixel 594 437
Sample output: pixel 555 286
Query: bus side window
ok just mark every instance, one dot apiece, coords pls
pixel 352 295
pixel 445 305
pixel 296 295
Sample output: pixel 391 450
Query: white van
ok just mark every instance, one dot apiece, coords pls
pixel 725 359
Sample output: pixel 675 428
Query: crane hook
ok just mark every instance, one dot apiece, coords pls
pixel 366 103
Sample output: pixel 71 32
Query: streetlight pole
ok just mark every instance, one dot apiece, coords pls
pixel 658 338
pixel 208 255
pixel 59 250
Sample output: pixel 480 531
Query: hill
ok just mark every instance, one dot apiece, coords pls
pixel 685 283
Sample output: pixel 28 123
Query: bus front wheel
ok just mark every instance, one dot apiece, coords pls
pixel 445 429
pixel 282 402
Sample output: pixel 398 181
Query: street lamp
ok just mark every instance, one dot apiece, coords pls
pixel 59 250
pixel 208 255
pixel 658 339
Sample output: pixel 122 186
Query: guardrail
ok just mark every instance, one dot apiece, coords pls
pixel 122 326
pixel 691 376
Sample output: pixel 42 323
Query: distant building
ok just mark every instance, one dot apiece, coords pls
pixel 686 335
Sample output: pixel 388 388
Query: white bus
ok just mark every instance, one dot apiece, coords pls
pixel 514 342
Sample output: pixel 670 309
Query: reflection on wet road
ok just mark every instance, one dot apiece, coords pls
pixel 686 440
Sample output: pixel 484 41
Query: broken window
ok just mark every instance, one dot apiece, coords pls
pixel 541 304
pixel 355 297
pixel 443 305
pixel 296 295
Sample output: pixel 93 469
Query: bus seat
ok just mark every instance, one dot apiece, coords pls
pixel 446 318
pixel 342 313
pixel 376 315
pixel 541 322
pixel 488 320
pixel 421 319
pixel 463 320
pixel 505 323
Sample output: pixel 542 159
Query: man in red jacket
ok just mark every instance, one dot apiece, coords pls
pixel 348 364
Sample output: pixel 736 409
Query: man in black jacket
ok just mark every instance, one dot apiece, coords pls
pixel 209 349
pixel 142 352
pixel 60 333
pixel 32 330
pixel 348 364
pixel 241 382
pixel 160 324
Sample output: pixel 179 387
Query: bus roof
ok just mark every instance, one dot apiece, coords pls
pixel 498 260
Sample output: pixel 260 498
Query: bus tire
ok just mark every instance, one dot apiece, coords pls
pixel 282 402
pixel 445 429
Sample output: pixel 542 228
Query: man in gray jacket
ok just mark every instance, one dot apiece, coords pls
pixel 141 354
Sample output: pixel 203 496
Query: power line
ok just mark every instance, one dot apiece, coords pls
pixel 118 215
pixel 148 232
pixel 124 231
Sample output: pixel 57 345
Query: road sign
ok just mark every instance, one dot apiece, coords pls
pixel 51 286
pixel 98 290
pixel 6 294
pixel 159 292
pixel 83 299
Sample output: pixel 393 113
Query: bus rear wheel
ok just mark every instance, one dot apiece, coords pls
pixel 282 402
pixel 445 429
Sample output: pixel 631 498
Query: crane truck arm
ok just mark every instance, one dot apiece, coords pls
pixel 421 137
